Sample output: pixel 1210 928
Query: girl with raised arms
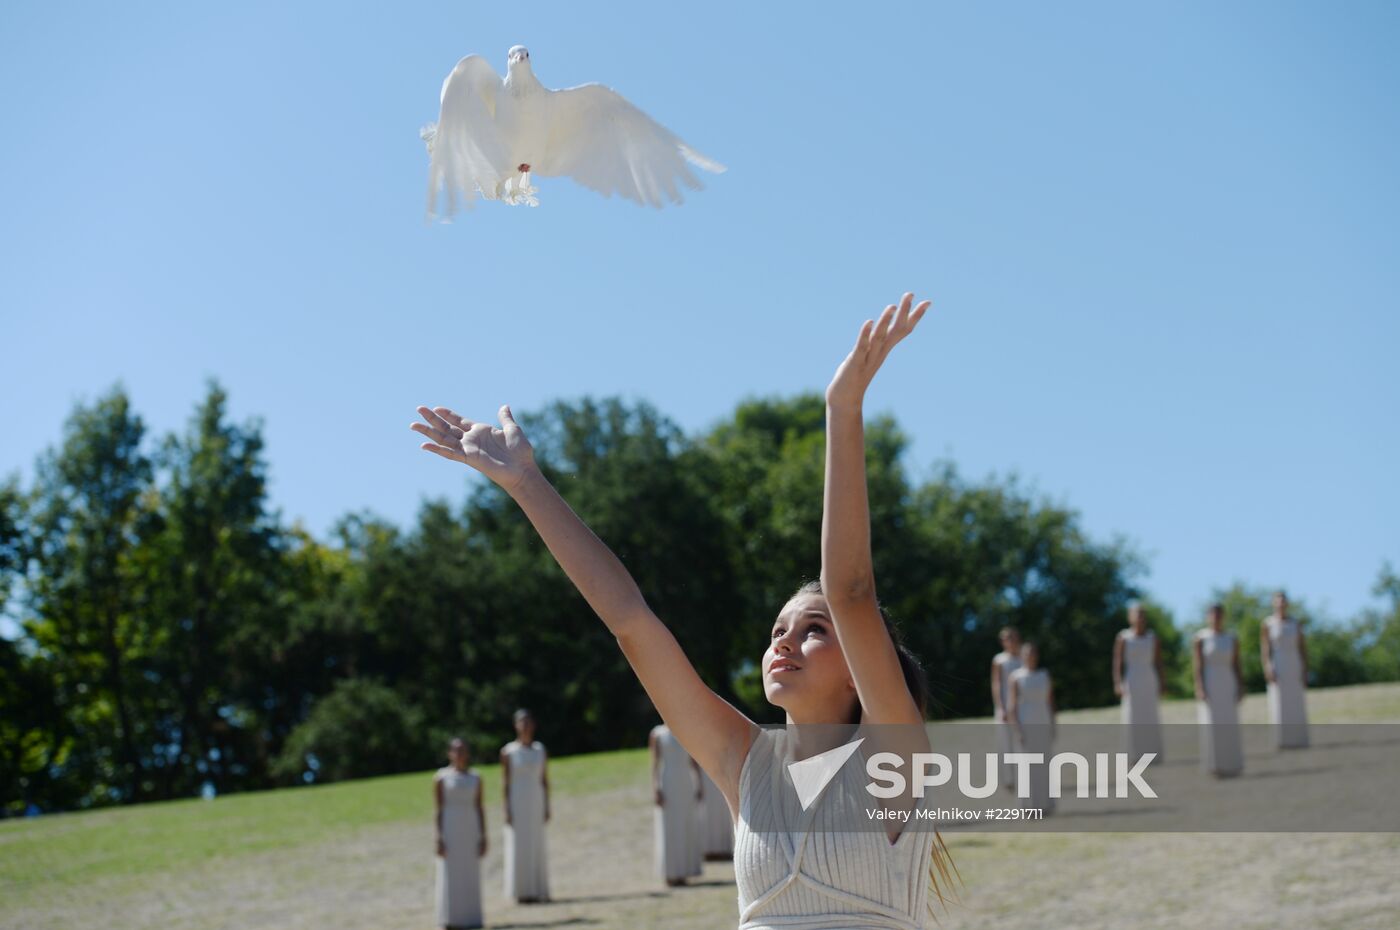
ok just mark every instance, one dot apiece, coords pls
pixel 832 658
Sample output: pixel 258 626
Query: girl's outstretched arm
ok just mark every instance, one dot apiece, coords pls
pixel 710 728
pixel 848 579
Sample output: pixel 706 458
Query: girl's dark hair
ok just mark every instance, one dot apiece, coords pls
pixel 914 676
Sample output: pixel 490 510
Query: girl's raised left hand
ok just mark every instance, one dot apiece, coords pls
pixel 877 338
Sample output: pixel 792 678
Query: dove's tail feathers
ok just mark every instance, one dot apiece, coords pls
pixel 429 135
pixel 700 161
pixel 442 191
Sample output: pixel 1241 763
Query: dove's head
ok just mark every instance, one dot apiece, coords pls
pixel 518 55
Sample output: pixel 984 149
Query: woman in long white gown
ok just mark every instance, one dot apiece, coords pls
pixel 717 824
pixel 1219 689
pixel 461 840
pixel 676 789
pixel 831 657
pixel 1284 656
pixel 1138 680
pixel 523 769
pixel 1033 712
pixel 1003 664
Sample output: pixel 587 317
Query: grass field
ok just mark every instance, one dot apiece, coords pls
pixel 359 855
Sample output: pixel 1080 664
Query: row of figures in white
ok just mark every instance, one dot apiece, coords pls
pixel 1023 693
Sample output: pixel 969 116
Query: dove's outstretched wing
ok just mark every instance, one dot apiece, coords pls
pixel 605 143
pixel 465 148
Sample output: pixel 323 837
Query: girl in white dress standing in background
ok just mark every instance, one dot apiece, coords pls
pixel 461 840
pixel 675 782
pixel 1284 656
pixel 1219 689
pixel 1138 680
pixel 1003 664
pixel 832 658
pixel 1032 712
pixel 526 778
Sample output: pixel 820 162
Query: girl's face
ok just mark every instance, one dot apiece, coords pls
pixel 1137 618
pixel 525 728
pixel 1030 657
pixel 1011 642
pixel 457 754
pixel 1216 619
pixel 804 669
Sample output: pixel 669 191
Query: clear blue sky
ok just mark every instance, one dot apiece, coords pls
pixel 1162 242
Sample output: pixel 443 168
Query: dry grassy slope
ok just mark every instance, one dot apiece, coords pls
pixel 358 855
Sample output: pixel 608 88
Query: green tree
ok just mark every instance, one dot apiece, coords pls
pixel 211 567
pixel 361 729
pixel 12 518
pixel 35 741
pixel 302 644
pixel 80 613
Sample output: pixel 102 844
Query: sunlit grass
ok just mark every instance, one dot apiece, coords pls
pixel 50 852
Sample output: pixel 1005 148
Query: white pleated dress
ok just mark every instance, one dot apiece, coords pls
pixel 1006 736
pixel 526 866
pixel 1288 710
pixel 1033 714
pixel 1221 750
pixel 812 870
pixel 459 872
pixel 1141 691
pixel 677 820
pixel 716 823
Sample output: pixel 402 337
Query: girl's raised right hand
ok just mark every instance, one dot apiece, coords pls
pixel 502 453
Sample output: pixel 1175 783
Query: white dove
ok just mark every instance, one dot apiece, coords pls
pixel 491 135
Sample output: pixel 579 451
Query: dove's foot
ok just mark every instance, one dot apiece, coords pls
pixel 517 191
pixel 524 191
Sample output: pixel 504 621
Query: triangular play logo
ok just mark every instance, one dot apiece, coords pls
pixel 810 776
